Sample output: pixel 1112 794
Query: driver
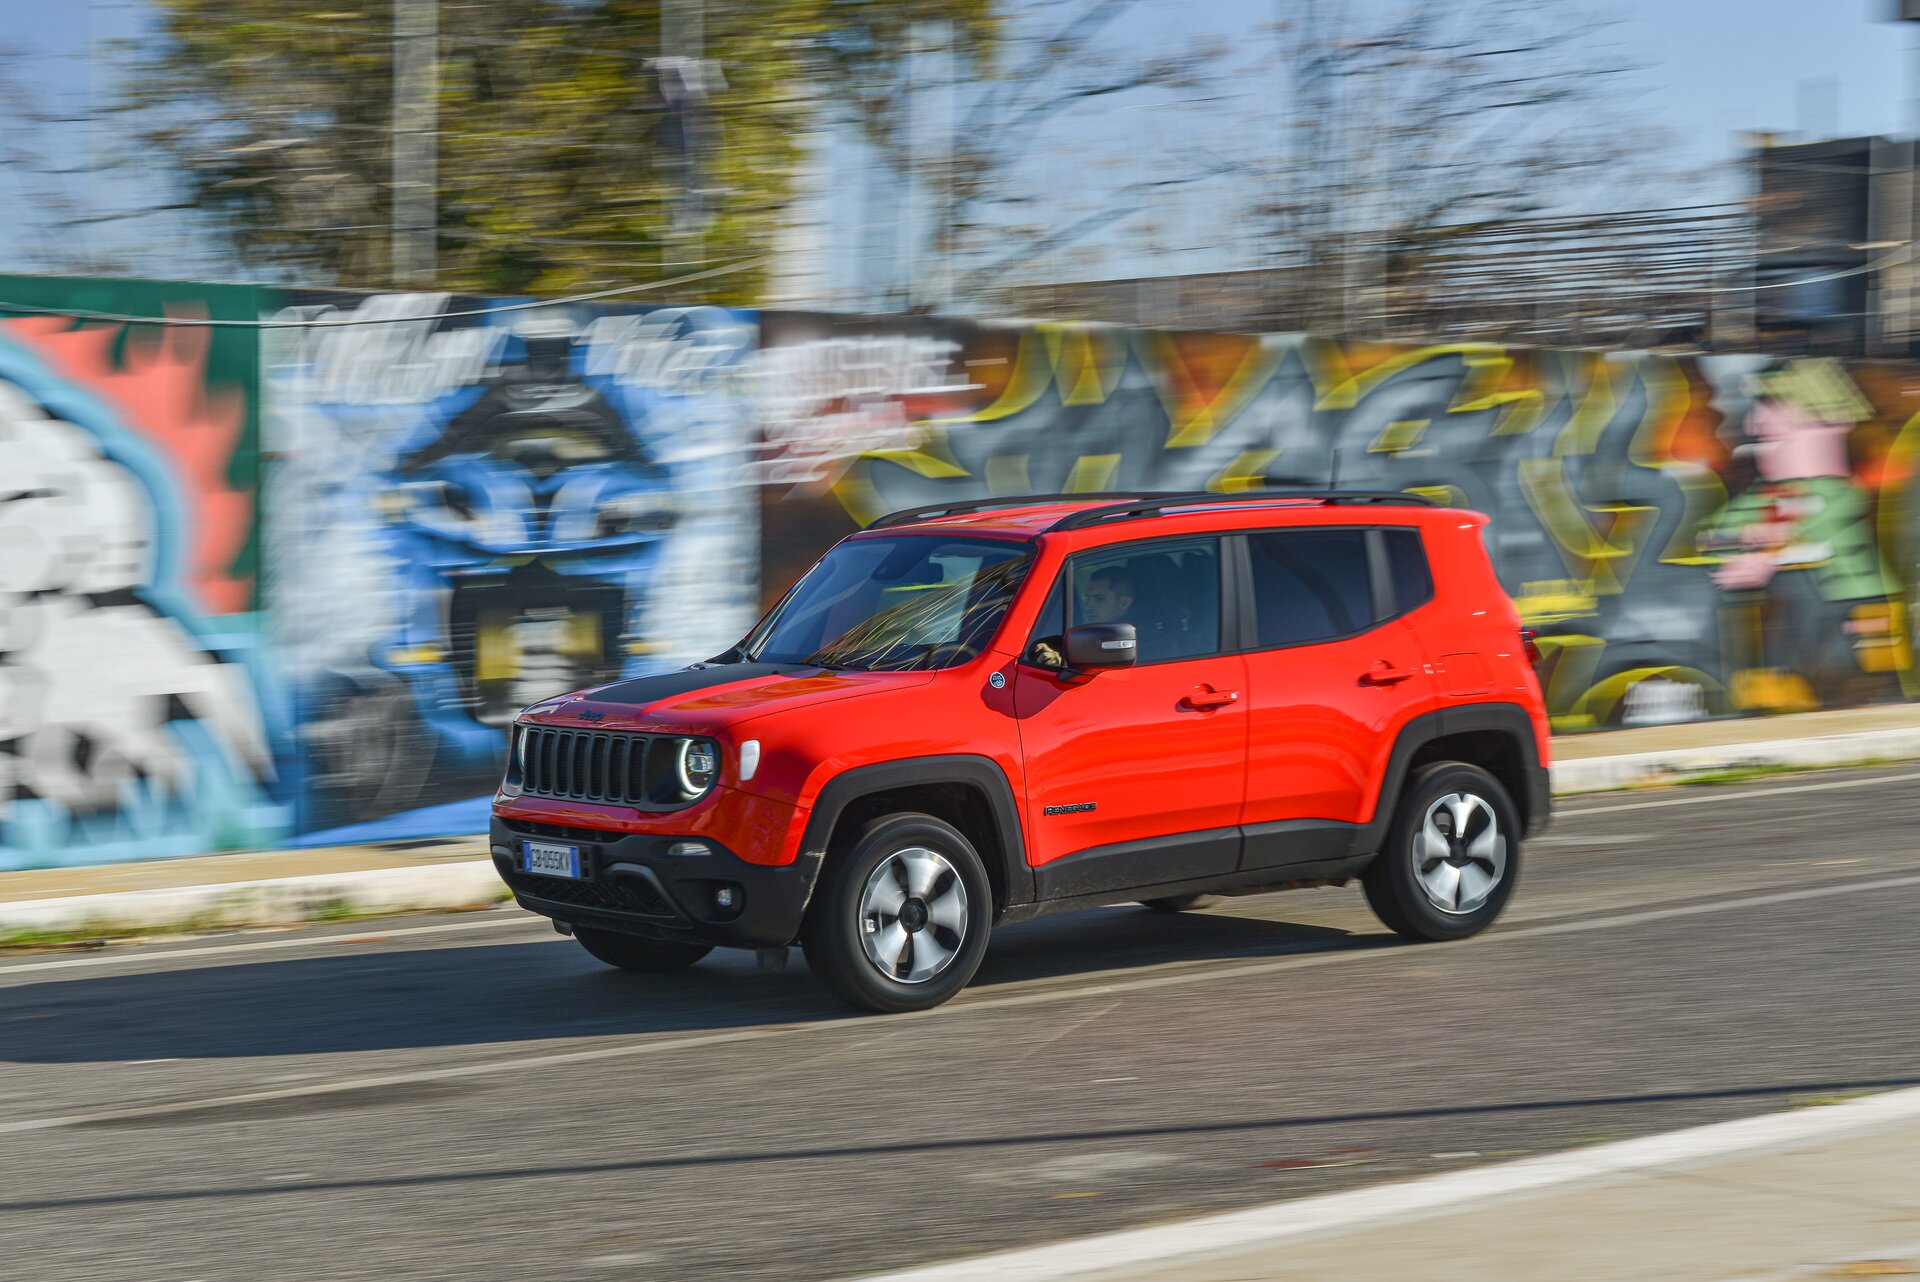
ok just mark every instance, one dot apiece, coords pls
pixel 1108 596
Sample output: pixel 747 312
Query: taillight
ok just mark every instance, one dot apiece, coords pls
pixel 1530 638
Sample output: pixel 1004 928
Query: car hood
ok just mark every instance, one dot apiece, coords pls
pixel 711 696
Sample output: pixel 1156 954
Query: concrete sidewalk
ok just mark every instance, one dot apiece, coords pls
pixel 1844 1208
pixel 302 885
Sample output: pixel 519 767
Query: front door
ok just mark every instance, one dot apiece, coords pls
pixel 1135 776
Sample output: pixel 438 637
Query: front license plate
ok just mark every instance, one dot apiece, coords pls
pixel 550 859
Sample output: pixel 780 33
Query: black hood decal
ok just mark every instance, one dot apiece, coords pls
pixel 642 691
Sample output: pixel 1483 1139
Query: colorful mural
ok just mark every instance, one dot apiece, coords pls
pixel 476 505
pixel 467 504
pixel 135 714
pixel 1693 536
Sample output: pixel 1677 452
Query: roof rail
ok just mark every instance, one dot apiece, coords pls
pixel 1155 505
pixel 907 516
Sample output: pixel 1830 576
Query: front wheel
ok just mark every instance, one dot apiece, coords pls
pixel 632 952
pixel 1452 855
pixel 900 918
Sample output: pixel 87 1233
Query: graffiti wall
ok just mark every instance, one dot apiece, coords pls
pixel 1692 536
pixel 136 714
pixel 475 505
pixel 286 580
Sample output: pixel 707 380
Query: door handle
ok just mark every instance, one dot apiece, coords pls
pixel 1383 673
pixel 1206 698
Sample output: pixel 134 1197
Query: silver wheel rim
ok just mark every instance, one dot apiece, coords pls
pixel 913 915
pixel 1459 853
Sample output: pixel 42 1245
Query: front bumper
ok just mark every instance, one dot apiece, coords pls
pixel 631 884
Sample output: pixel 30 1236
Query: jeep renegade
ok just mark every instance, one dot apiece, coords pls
pixel 979 712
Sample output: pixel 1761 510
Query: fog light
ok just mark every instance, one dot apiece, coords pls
pixel 727 899
pixel 688 849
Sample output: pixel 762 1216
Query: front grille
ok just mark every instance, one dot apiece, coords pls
pixel 617 894
pixel 586 765
pixel 625 769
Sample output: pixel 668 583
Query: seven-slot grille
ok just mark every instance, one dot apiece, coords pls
pixel 594 765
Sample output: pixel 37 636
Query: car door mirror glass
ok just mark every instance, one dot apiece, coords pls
pixel 1101 645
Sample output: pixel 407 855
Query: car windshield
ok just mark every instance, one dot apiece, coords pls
pixel 894 605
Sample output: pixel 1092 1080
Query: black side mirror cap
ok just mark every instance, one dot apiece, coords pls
pixel 1102 645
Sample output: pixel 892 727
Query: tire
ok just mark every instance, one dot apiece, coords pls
pixel 869 936
pixel 632 952
pixel 1181 903
pixel 1407 885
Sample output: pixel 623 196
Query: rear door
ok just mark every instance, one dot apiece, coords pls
pixel 1135 776
pixel 1333 671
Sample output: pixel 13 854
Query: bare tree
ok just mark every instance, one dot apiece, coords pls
pixel 1414 125
pixel 978 198
pixel 53 224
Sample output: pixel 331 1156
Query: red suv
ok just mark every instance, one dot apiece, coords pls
pixel 979 712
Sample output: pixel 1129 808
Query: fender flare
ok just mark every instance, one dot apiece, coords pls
pixel 983 773
pixel 1509 719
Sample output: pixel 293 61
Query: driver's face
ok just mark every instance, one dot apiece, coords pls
pixel 1106 603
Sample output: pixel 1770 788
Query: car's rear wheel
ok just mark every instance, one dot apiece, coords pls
pixel 1452 855
pixel 632 952
pixel 900 918
pixel 1181 903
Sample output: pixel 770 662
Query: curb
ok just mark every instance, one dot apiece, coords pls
pixel 468 883
pixel 1675 764
pixel 474 883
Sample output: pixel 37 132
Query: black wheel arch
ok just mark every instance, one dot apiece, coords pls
pixel 1495 736
pixel 949 787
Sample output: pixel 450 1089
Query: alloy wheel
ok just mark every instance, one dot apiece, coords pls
pixel 1459 853
pixel 913 915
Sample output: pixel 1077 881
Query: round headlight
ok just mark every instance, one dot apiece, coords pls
pixel 520 750
pixel 697 765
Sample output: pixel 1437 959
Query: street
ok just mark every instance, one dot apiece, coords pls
pixel 473 1097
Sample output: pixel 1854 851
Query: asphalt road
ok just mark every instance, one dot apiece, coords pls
pixel 475 1098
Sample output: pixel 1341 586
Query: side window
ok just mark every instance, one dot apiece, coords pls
pixel 1309 585
pixel 1168 591
pixel 1047 648
pixel 1407 562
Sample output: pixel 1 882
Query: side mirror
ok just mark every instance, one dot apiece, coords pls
pixel 1101 645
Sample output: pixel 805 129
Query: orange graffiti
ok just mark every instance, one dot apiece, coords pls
pixel 159 390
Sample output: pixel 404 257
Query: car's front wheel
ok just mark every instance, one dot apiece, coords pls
pixel 900 918
pixel 1452 855
pixel 632 952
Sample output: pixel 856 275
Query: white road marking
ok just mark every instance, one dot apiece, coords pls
pixel 1381 1205
pixel 1741 794
pixel 965 1005
pixel 264 945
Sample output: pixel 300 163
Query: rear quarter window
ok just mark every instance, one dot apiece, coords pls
pixel 1407 564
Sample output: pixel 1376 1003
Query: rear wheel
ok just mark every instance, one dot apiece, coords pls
pixel 1452 855
pixel 900 919
pixel 632 952
pixel 1181 903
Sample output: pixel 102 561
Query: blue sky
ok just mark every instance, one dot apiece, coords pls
pixel 1712 69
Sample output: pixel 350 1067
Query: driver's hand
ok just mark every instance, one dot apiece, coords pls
pixel 1047 657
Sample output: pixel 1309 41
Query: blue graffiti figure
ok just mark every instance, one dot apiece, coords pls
pixel 526 530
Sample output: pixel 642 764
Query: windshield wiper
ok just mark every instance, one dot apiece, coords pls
pixel 816 661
